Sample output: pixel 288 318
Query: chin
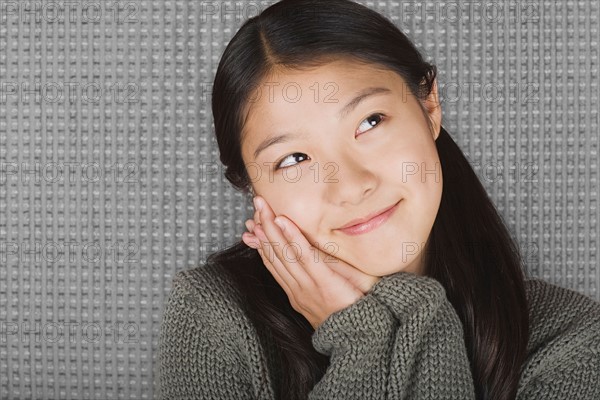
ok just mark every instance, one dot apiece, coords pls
pixel 383 270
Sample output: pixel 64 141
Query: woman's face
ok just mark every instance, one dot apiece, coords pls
pixel 347 157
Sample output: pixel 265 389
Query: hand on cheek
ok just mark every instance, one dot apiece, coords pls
pixel 316 288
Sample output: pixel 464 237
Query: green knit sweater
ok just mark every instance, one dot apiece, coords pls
pixel 403 340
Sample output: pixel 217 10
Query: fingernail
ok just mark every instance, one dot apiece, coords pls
pixel 280 223
pixel 257 203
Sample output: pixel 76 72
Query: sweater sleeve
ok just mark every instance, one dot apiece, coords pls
pixel 194 354
pixel 402 340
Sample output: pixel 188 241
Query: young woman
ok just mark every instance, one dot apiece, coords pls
pixel 376 266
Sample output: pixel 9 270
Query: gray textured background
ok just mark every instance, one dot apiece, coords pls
pixel 110 181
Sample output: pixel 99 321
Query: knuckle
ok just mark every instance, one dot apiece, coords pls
pixel 301 308
pixel 303 302
pixel 295 306
pixel 302 257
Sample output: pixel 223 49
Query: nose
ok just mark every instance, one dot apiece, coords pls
pixel 350 183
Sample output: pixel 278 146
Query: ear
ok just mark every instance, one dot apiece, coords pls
pixel 434 110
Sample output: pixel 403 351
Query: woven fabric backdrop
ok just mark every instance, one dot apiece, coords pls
pixel 110 181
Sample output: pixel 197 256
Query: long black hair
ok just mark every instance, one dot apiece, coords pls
pixel 469 251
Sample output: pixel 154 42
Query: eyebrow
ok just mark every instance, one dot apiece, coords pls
pixel 363 94
pixel 347 109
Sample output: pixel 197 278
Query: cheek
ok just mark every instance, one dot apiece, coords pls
pixel 301 210
pixel 413 164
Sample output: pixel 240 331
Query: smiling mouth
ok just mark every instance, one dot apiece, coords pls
pixel 369 223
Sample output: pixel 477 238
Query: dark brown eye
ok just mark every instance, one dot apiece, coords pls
pixel 371 121
pixel 281 163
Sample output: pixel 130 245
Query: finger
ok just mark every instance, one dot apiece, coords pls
pixel 251 240
pixel 337 265
pixel 276 276
pixel 281 248
pixel 352 274
pixel 345 270
pixel 268 250
pixel 349 272
pixel 309 257
pixel 357 278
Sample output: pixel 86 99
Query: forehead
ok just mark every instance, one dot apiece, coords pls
pixel 346 77
pixel 328 86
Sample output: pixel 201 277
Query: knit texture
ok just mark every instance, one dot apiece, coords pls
pixel 403 340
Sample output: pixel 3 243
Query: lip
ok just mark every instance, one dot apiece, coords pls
pixel 370 222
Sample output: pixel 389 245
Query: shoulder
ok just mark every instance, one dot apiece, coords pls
pixel 206 345
pixel 554 309
pixel 564 338
pixel 208 281
pixel 204 295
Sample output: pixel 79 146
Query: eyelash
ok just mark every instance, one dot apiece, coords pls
pixel 383 117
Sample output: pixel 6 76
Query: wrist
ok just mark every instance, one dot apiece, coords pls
pixel 404 292
pixel 365 322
